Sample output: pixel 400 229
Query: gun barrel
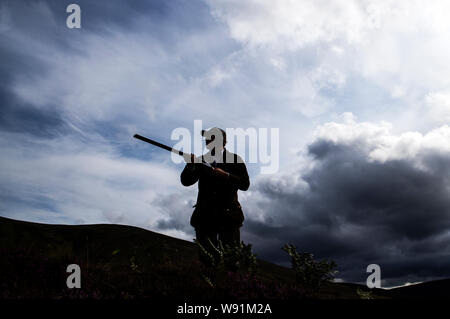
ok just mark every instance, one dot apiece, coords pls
pixel 167 148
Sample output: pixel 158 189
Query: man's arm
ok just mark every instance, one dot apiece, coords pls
pixel 190 173
pixel 240 178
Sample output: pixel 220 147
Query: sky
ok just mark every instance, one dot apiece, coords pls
pixel 359 90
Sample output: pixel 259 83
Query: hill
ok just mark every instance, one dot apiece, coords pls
pixel 119 261
pixel 436 289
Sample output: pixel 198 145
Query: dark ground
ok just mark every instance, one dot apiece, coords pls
pixel 124 262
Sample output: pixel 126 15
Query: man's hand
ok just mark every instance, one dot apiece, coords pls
pixel 189 158
pixel 220 173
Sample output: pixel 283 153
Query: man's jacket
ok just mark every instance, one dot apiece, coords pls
pixel 217 201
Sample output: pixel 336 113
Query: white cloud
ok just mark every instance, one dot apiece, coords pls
pixel 399 46
pixel 291 24
pixel 114 75
pixel 381 144
pixel 438 104
pixel 83 183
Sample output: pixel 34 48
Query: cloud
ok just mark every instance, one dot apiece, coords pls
pixel 73 99
pixel 177 210
pixel 438 106
pixel 149 75
pixel 363 195
pixel 128 64
pixel 64 180
pixel 398 47
pixel 356 191
pixel 293 24
pixel 18 116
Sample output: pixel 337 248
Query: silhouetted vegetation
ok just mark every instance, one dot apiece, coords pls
pixel 309 273
pixel 124 262
pixel 233 271
pixel 235 258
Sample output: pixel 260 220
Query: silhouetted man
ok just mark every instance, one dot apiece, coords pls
pixel 217 214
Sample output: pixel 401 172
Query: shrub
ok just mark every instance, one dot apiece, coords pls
pixel 223 259
pixel 309 273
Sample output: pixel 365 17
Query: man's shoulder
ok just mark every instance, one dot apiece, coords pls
pixel 232 157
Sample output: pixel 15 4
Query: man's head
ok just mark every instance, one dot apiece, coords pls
pixel 215 138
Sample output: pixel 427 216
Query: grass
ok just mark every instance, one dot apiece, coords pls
pixel 125 262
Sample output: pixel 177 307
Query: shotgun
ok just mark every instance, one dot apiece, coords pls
pixel 165 147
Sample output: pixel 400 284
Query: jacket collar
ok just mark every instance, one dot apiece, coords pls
pixel 225 154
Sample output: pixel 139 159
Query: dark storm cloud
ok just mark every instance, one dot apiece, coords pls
pixel 20 62
pixel 359 211
pixel 30 15
pixel 176 212
pixel 16 116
